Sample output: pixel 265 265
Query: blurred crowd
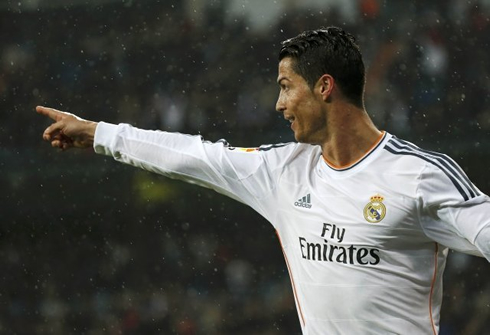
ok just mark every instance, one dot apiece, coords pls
pixel 90 247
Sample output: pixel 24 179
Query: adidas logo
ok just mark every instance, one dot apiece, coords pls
pixel 304 201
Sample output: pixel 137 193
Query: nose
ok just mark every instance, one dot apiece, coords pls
pixel 280 107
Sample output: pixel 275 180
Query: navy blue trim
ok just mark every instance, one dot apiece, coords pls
pixel 443 162
pixel 272 146
pixel 363 158
pixel 444 158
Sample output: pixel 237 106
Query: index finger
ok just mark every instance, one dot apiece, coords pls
pixel 49 112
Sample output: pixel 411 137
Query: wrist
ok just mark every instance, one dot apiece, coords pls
pixel 90 133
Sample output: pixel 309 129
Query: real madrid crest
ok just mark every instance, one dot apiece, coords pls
pixel 375 210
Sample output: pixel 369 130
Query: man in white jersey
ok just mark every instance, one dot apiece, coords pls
pixel 365 219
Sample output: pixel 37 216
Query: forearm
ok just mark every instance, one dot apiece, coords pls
pixel 171 154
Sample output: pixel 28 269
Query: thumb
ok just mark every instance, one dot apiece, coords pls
pixel 53 130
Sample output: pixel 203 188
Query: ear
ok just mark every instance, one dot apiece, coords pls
pixel 325 86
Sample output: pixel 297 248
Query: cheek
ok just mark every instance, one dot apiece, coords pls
pixel 312 114
pixel 296 100
pixel 306 109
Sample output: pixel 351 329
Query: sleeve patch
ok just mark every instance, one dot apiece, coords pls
pixel 243 149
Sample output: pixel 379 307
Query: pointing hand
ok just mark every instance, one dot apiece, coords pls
pixel 68 130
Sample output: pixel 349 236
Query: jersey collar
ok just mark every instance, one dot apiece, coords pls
pixel 376 145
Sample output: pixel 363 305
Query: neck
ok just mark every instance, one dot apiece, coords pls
pixel 351 135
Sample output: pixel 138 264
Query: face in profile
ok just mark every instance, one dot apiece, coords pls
pixel 300 105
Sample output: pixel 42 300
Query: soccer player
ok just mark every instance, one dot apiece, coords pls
pixel 365 219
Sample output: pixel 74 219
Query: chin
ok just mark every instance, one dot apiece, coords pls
pixel 300 139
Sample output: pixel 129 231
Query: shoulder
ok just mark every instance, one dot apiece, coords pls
pixel 288 147
pixel 289 151
pixel 283 155
pixel 421 157
pixel 271 156
pixel 437 171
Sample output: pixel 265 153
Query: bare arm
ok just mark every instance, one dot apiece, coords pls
pixel 68 130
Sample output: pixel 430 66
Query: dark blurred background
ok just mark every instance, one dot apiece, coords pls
pixel 89 246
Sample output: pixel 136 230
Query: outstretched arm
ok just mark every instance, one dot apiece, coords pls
pixel 68 130
pixel 249 176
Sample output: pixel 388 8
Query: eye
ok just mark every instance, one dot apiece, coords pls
pixel 283 84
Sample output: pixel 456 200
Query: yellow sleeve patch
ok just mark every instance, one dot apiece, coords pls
pixel 244 149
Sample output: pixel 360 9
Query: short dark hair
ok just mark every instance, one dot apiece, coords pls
pixel 328 51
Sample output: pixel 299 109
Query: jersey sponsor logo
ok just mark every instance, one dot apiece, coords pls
pixel 304 202
pixel 375 210
pixel 331 248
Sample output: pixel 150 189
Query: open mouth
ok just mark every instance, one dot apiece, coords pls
pixel 289 118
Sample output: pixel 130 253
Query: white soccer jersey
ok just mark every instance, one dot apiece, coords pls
pixel 365 245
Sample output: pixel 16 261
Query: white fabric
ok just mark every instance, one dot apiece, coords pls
pixel 350 274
